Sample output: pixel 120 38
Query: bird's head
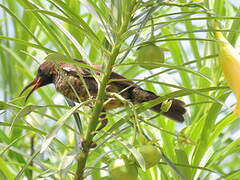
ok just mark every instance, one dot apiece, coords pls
pixel 45 76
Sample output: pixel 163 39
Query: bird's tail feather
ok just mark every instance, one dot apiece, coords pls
pixel 175 112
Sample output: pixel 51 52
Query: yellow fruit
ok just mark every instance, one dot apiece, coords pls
pixel 150 54
pixel 122 169
pixel 151 155
pixel 230 62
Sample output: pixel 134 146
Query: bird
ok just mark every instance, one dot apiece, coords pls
pixel 79 84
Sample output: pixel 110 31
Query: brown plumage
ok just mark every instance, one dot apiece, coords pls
pixel 71 81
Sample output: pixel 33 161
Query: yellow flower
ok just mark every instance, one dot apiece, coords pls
pixel 230 62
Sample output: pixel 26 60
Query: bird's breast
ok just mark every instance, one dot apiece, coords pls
pixel 75 88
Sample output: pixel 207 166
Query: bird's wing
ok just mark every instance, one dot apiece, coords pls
pixel 74 70
pixel 121 80
pixel 115 77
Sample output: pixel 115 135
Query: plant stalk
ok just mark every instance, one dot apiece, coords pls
pixel 82 158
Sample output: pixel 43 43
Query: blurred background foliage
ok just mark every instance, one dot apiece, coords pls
pixel 205 146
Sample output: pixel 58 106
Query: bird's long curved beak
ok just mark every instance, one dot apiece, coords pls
pixel 36 83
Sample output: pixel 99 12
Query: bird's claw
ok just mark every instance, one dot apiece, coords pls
pixel 103 124
pixel 86 145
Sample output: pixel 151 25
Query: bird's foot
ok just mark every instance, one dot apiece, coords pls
pixel 86 145
pixel 103 123
pixel 92 144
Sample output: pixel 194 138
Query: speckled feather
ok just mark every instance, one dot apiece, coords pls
pixel 78 84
